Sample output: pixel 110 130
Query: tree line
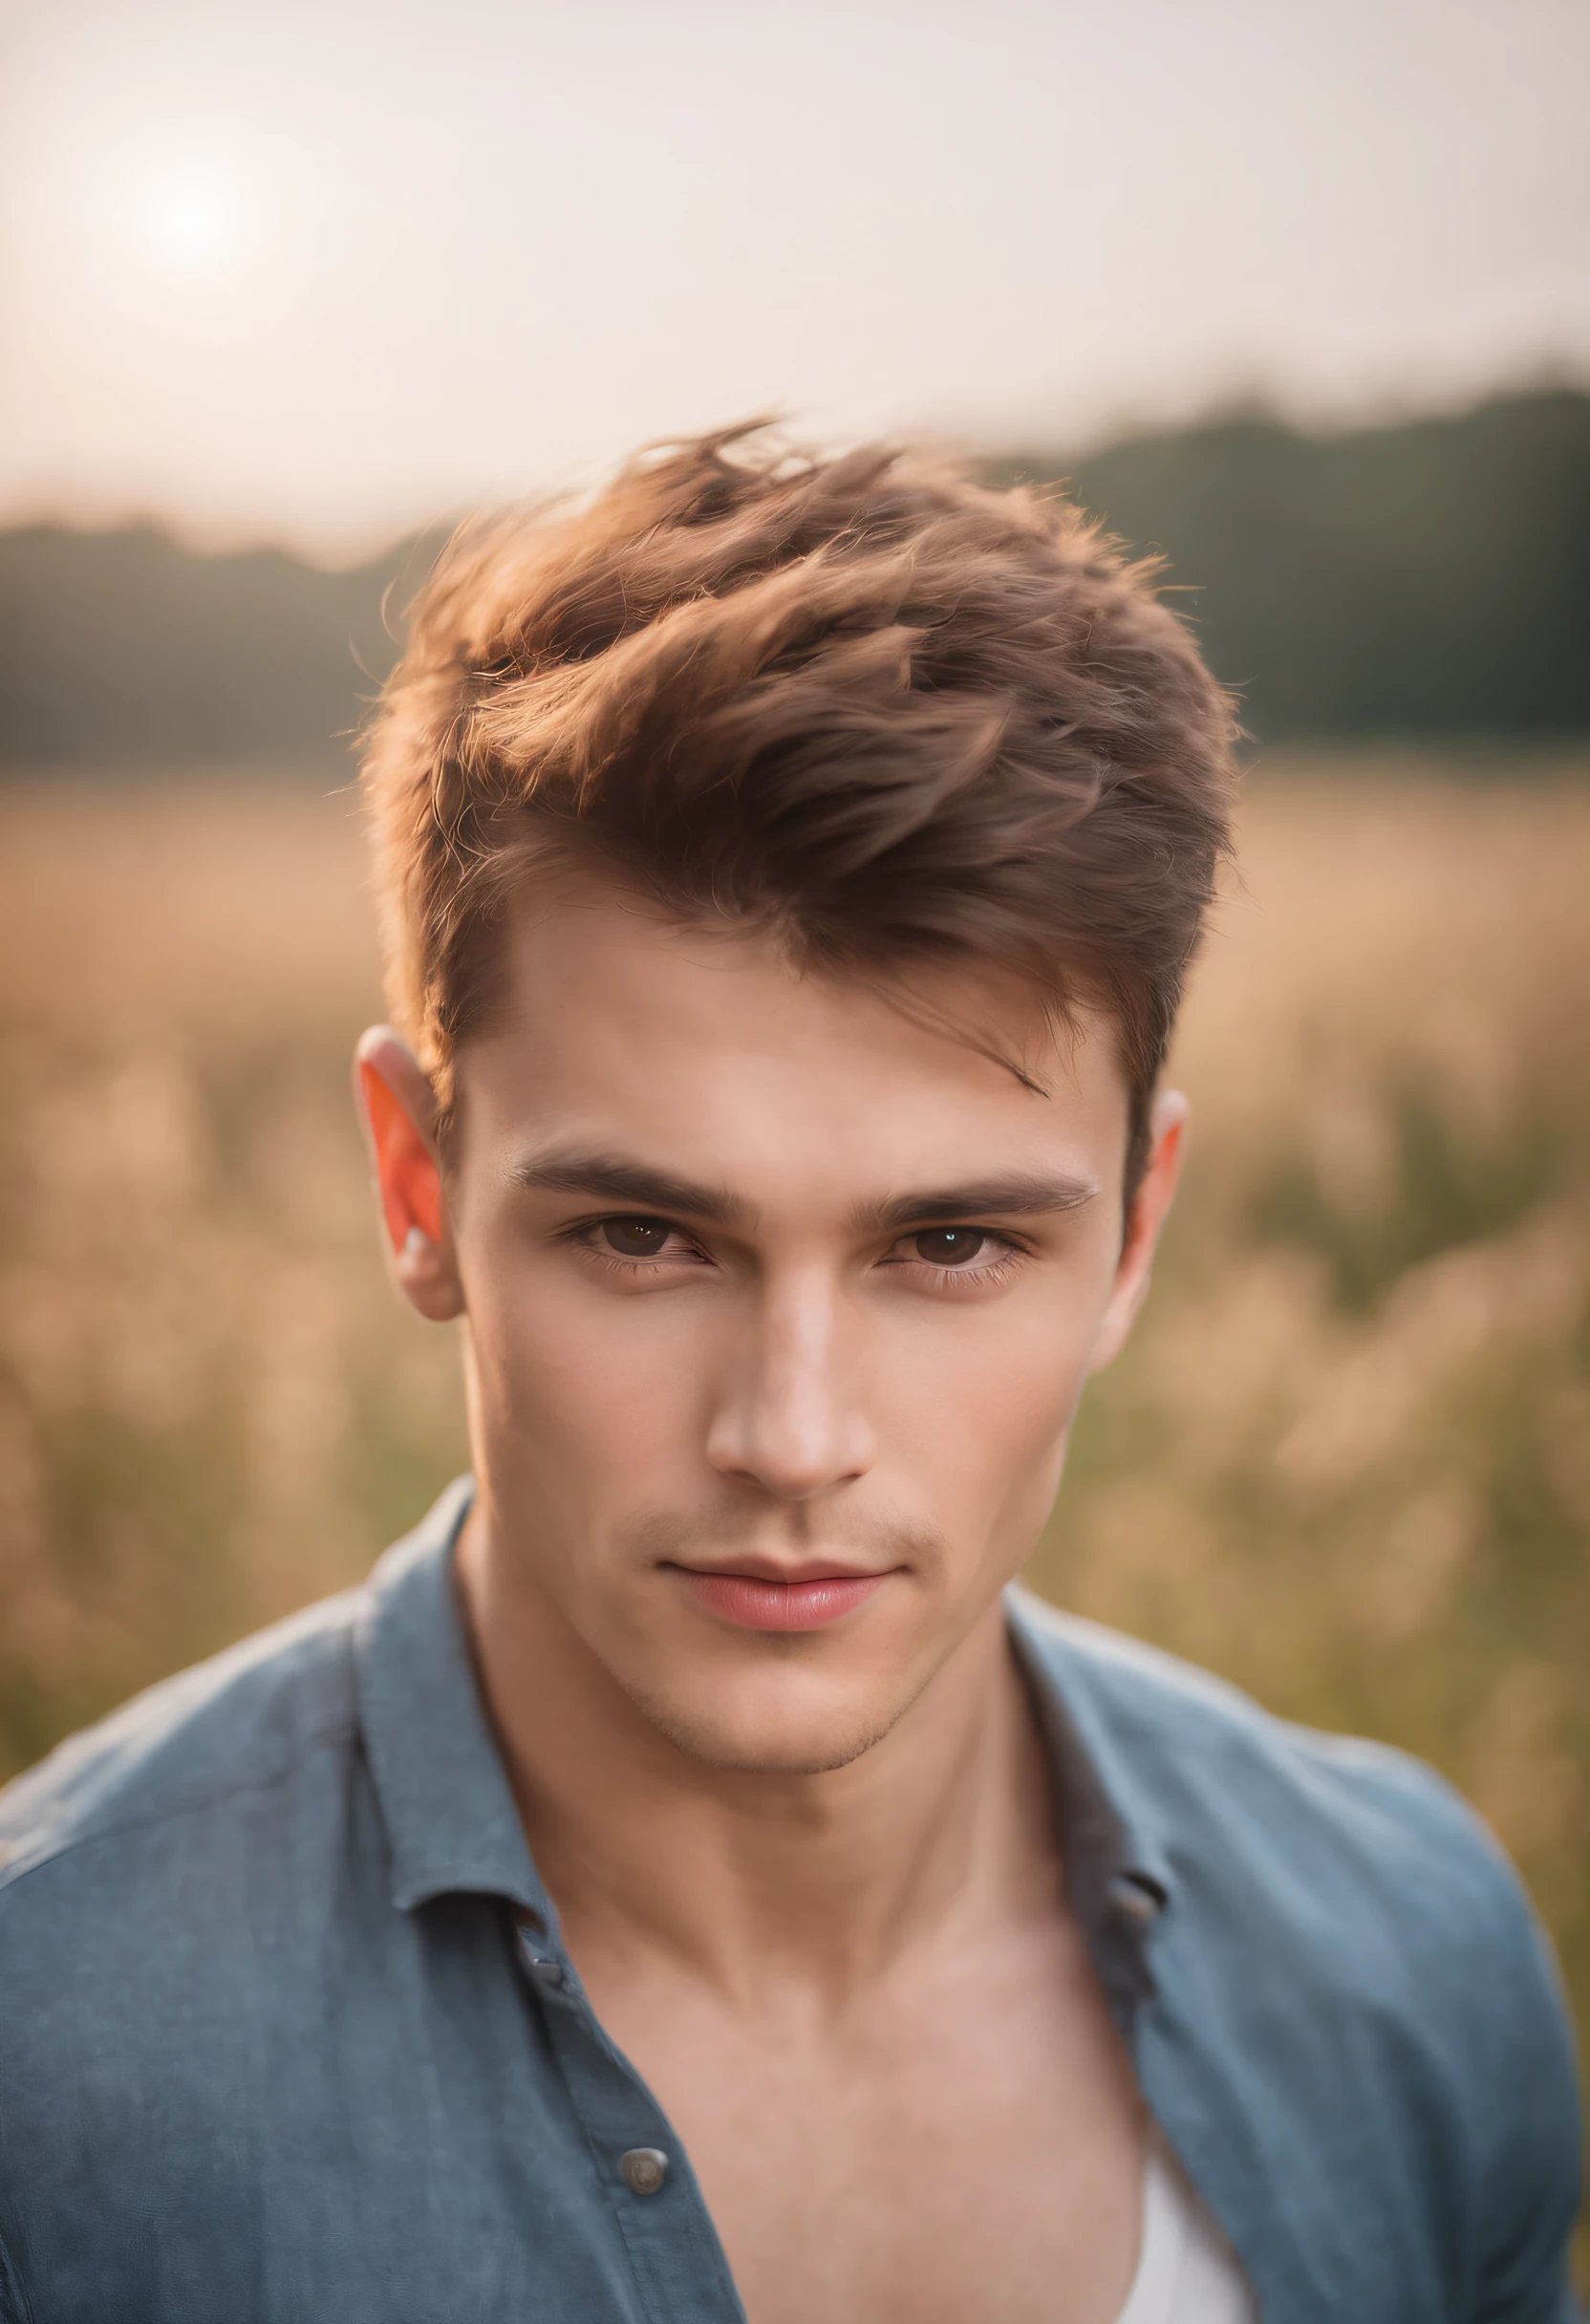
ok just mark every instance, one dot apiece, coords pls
pixel 1426 580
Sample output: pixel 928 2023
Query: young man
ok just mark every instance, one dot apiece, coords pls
pixel 688 1881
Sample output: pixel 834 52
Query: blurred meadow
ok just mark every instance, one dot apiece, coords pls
pixel 1345 1462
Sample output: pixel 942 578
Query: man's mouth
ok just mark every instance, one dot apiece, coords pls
pixel 760 1602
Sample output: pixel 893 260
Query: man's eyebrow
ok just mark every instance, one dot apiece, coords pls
pixel 1015 1194
pixel 638 1186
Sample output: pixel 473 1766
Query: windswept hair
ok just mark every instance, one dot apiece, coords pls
pixel 858 701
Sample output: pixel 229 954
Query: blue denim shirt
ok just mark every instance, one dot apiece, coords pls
pixel 288 2030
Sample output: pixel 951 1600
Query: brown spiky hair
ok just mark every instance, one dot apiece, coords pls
pixel 858 701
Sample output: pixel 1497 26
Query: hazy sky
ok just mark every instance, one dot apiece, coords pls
pixel 319 271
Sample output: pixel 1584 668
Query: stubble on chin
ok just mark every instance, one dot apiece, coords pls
pixel 698 1738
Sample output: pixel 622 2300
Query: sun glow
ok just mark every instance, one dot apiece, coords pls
pixel 194 217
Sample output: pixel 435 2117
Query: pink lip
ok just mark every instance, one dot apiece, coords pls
pixel 754 1603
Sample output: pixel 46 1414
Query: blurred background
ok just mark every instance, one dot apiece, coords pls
pixel 1298 297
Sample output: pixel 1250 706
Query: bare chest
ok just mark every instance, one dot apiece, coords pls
pixel 965 2144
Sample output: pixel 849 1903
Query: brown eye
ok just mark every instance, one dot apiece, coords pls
pixel 950 1246
pixel 635 1238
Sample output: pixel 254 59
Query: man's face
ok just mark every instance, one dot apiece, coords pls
pixel 778 1304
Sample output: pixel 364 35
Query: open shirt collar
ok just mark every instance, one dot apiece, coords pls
pixel 452 1825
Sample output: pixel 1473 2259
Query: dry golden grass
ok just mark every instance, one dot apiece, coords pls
pixel 211 1408
pixel 1347 1461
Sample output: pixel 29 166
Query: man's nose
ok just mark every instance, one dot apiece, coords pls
pixel 790 1417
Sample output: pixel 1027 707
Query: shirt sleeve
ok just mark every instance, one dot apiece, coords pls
pixel 1531 2094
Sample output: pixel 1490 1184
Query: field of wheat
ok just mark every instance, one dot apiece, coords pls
pixel 1346 1460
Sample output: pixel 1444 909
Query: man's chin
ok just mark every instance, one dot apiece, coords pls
pixel 767 1738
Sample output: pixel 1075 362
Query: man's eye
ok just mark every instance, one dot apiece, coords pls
pixel 950 1246
pixel 634 1237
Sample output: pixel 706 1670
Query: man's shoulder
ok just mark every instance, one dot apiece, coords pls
pixel 1229 1793
pixel 1348 1976
pixel 246 1719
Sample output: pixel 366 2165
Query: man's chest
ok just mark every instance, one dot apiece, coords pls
pixel 965 2146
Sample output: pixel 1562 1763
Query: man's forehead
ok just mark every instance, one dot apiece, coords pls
pixel 594 964
pixel 742 1147
pixel 710 1077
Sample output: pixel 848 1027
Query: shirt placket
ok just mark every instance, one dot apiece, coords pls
pixel 679 2268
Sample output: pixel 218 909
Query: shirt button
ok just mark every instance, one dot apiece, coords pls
pixel 1138 1904
pixel 541 1965
pixel 644 2169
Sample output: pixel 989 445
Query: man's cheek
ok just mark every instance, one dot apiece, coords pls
pixel 604 1405
pixel 1000 1397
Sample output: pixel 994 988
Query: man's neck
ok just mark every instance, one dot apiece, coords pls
pixel 749 1879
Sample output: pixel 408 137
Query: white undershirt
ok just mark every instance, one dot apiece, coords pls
pixel 1186 2272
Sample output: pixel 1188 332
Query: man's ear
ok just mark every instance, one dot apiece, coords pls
pixel 1149 1205
pixel 396 1107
